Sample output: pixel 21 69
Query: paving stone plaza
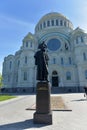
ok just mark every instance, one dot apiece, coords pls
pixel 14 116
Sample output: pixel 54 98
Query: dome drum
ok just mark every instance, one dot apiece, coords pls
pixel 53 20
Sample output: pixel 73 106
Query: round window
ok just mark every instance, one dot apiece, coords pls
pixel 53 44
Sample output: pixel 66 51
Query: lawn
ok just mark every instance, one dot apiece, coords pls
pixel 6 97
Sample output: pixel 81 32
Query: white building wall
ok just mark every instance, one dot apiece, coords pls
pixel 66 35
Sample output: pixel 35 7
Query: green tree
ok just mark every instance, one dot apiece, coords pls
pixel 1 81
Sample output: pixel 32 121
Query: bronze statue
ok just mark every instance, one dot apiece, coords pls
pixel 41 60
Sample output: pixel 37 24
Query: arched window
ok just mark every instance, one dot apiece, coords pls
pixel 70 61
pixel 68 75
pixel 54 61
pixel 25 75
pixel 85 74
pixel 16 78
pixel 84 56
pixel 18 63
pixel 40 26
pixel 62 61
pixel 31 44
pixel 61 23
pixel 65 23
pixel 77 41
pixel 48 23
pixel 27 44
pixel 57 22
pixel 68 24
pixel 55 80
pixel 8 78
pixel 25 59
pixel 52 22
pixel 10 65
pixel 66 46
pixel 82 39
pixel 44 24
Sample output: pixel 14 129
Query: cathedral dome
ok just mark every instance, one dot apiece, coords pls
pixel 53 20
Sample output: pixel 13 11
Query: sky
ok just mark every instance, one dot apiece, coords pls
pixel 19 17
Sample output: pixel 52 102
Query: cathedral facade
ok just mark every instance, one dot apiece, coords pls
pixel 67 50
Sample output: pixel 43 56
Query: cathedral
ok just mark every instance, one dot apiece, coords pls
pixel 67 51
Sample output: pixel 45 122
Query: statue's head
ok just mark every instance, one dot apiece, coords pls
pixel 42 46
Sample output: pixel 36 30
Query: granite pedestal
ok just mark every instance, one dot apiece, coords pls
pixel 43 114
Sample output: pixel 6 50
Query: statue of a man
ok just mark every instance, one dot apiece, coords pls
pixel 41 60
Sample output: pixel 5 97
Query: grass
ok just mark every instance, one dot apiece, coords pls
pixel 6 97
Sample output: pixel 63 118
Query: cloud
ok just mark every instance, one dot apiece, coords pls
pixel 7 22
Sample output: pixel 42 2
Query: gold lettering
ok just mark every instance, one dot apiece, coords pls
pixel 42 88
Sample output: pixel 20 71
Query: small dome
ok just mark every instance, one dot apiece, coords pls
pixel 78 29
pixel 29 36
pixel 53 19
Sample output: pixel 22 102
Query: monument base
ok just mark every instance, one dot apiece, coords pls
pixel 43 114
pixel 43 118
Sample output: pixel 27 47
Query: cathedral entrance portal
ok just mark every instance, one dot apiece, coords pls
pixel 55 82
